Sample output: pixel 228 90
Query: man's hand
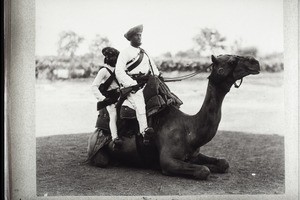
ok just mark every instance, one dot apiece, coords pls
pixel 125 91
pixel 135 88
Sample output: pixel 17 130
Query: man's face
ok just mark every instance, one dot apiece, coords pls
pixel 136 40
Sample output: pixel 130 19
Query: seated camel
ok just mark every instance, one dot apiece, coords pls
pixel 176 146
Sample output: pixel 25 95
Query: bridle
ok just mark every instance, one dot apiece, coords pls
pixel 180 78
pixel 238 85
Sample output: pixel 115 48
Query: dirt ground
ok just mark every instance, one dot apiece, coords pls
pixel 256 167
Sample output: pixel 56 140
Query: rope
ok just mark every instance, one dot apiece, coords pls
pixel 180 78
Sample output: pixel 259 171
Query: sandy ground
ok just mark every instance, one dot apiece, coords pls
pixel 69 107
pixel 252 160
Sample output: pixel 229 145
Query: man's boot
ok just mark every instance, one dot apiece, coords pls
pixel 117 142
pixel 148 136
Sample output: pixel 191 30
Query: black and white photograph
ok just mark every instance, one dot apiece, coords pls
pixel 155 99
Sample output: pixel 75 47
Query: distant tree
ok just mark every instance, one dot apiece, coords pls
pixel 190 53
pixel 181 54
pixel 167 55
pixel 87 57
pixel 68 43
pixel 236 45
pixel 97 45
pixel 209 41
pixel 247 51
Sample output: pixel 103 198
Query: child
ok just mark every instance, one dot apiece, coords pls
pixel 107 83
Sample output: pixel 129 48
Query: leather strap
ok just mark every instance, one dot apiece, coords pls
pixel 149 62
pixel 139 60
pixel 104 86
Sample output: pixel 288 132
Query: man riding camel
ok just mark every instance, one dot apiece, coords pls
pixel 133 62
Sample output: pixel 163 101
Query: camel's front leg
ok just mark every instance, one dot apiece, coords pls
pixel 215 165
pixel 171 166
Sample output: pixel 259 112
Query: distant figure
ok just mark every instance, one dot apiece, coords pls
pixel 132 63
pixel 105 88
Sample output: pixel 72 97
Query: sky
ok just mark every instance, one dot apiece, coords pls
pixel 169 25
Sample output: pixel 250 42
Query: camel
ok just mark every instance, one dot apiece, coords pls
pixel 179 136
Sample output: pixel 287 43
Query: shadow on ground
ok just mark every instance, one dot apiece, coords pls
pixel 256 167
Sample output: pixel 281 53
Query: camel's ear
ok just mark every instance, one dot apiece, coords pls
pixel 214 59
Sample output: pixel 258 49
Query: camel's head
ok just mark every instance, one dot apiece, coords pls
pixel 227 69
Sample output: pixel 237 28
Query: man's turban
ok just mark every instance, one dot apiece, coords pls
pixel 110 51
pixel 111 56
pixel 132 31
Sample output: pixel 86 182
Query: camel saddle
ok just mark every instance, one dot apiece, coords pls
pixel 157 96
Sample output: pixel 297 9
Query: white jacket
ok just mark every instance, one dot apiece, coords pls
pixel 127 55
pixel 101 77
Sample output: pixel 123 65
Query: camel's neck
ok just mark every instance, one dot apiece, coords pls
pixel 217 93
pixel 213 101
pixel 209 116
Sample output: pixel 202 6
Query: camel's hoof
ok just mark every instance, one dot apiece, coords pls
pixel 202 174
pixel 223 166
pixel 101 159
pixel 165 172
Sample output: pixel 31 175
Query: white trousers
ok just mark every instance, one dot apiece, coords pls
pixel 112 112
pixel 138 103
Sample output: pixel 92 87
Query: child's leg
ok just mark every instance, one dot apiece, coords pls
pixel 111 109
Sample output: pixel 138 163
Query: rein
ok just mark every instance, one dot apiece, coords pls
pixel 180 78
pixel 238 85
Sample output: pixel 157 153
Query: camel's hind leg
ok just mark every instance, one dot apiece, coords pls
pixel 171 166
pixel 215 165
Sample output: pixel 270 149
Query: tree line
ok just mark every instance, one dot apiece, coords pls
pixel 66 64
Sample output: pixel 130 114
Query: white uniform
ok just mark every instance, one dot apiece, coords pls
pixel 101 77
pixel 136 99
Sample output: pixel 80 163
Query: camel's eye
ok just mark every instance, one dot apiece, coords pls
pixel 220 71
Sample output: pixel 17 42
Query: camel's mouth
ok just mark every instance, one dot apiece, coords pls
pixel 253 67
pixel 249 70
pixel 238 75
pixel 253 72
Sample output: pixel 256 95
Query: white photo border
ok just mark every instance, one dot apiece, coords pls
pixel 20 107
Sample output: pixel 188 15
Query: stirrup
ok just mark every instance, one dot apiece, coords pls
pixel 148 135
pixel 117 141
pixel 146 141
